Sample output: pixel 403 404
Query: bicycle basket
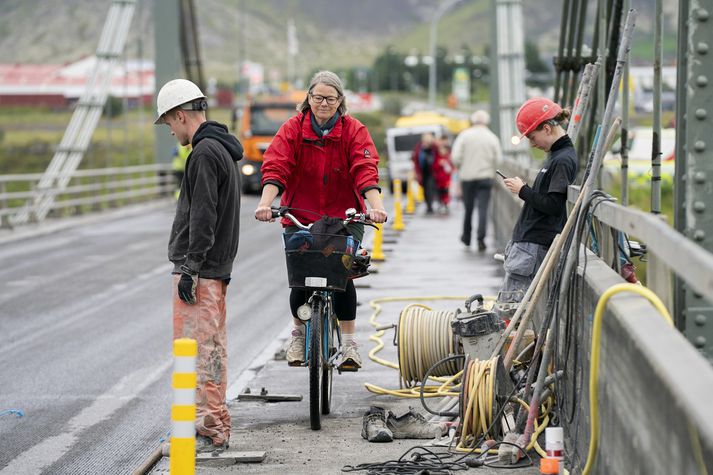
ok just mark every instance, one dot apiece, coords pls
pixel 318 261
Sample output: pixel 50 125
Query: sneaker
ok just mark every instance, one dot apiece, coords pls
pixel 373 426
pixel 412 425
pixel 351 361
pixel 205 445
pixel 296 349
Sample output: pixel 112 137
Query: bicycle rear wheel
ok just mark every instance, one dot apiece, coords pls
pixel 315 364
pixel 332 341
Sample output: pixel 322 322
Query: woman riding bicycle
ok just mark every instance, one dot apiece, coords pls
pixel 323 161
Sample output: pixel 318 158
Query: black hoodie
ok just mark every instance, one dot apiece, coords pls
pixel 204 235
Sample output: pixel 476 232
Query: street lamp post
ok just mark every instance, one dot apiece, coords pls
pixel 432 67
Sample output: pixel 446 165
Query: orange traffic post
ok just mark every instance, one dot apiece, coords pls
pixel 377 253
pixel 182 452
pixel 398 215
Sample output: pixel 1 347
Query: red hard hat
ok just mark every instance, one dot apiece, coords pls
pixel 534 112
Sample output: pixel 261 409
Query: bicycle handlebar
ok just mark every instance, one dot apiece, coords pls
pixel 352 217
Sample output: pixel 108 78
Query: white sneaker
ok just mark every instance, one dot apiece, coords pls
pixel 296 349
pixel 351 361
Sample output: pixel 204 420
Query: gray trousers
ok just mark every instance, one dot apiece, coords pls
pixel 522 260
pixel 475 192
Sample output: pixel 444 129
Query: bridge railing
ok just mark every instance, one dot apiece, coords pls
pixel 88 190
pixel 651 378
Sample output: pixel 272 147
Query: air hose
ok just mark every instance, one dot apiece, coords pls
pixel 594 371
pixel 422 339
pixel 425 338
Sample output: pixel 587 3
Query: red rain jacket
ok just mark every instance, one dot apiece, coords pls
pixel 326 175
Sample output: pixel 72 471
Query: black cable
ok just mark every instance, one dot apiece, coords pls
pixel 423 384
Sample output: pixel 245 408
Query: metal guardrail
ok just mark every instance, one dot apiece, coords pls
pixel 88 190
pixel 668 250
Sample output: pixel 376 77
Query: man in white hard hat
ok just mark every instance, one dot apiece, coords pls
pixel 475 154
pixel 202 246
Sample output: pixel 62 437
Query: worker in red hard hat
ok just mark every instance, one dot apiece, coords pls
pixel 544 213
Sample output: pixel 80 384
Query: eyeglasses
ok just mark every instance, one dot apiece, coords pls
pixel 331 100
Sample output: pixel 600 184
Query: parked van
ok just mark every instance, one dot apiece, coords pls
pixel 402 139
pixel 400 143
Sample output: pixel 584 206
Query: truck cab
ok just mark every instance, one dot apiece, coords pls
pixel 257 124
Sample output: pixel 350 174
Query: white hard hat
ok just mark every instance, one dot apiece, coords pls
pixel 480 117
pixel 175 93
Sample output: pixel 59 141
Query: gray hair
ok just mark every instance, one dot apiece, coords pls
pixel 480 117
pixel 328 78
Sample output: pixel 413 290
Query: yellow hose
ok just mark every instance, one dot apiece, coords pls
pixel 429 391
pixel 594 371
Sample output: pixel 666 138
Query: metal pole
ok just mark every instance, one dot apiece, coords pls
pixel 656 139
pixel 625 131
pixel 679 196
pixel 560 69
pixel 493 71
pixel 432 48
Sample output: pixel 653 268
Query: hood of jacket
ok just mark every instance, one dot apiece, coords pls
pixel 219 132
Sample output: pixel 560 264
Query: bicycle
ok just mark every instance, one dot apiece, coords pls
pixel 320 263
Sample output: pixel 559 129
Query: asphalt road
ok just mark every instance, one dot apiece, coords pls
pixel 85 320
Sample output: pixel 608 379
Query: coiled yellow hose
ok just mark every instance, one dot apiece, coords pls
pixel 444 389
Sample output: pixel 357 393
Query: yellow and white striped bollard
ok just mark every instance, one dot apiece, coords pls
pixel 183 412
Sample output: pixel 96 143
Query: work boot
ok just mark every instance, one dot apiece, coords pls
pixel 412 425
pixel 205 445
pixel 373 426
pixel 295 354
pixel 351 361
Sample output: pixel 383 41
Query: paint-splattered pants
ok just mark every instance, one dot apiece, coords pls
pixel 205 322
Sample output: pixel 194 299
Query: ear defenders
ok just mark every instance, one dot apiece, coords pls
pixel 197 105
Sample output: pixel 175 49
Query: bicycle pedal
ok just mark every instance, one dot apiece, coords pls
pixel 348 367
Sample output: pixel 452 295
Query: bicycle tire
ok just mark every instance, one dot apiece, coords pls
pixel 315 364
pixel 328 371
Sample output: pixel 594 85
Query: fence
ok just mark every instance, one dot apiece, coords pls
pixel 88 190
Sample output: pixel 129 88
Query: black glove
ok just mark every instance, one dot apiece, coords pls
pixel 187 286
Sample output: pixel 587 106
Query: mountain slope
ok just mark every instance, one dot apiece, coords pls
pixel 331 33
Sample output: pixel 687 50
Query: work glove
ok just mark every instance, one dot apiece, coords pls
pixel 187 285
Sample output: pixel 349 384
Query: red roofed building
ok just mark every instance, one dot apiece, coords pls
pixel 61 85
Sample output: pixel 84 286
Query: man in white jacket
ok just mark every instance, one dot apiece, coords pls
pixel 475 154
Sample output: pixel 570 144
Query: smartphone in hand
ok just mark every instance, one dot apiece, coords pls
pixel 501 174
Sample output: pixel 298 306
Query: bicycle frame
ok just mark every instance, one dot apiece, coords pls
pixel 327 297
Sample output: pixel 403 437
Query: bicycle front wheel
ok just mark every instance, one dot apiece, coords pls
pixel 331 340
pixel 315 364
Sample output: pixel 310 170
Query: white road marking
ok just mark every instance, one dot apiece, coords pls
pixel 51 449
